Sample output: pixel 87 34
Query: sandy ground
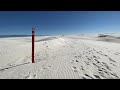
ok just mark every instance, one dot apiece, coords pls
pixel 60 57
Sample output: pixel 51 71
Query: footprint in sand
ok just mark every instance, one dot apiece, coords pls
pixel 72 61
pixel 32 76
pixel 86 76
pixel 111 59
pixel 28 76
pixel 97 77
pixel 117 53
pixel 75 69
pixel 77 61
pixel 75 56
pixel 87 63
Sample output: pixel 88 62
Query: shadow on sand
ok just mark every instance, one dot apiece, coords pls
pixel 46 39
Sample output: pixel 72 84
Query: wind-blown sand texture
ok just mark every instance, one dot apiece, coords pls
pixel 60 57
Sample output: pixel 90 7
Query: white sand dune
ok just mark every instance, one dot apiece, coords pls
pixel 60 57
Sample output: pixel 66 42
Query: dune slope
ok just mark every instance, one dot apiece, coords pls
pixel 59 57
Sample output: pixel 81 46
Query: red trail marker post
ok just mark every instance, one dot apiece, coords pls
pixel 33 38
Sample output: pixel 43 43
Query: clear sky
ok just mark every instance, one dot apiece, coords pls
pixel 59 22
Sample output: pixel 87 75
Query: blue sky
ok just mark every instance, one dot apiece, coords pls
pixel 59 22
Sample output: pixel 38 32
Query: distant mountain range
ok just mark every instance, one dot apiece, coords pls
pixel 7 36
